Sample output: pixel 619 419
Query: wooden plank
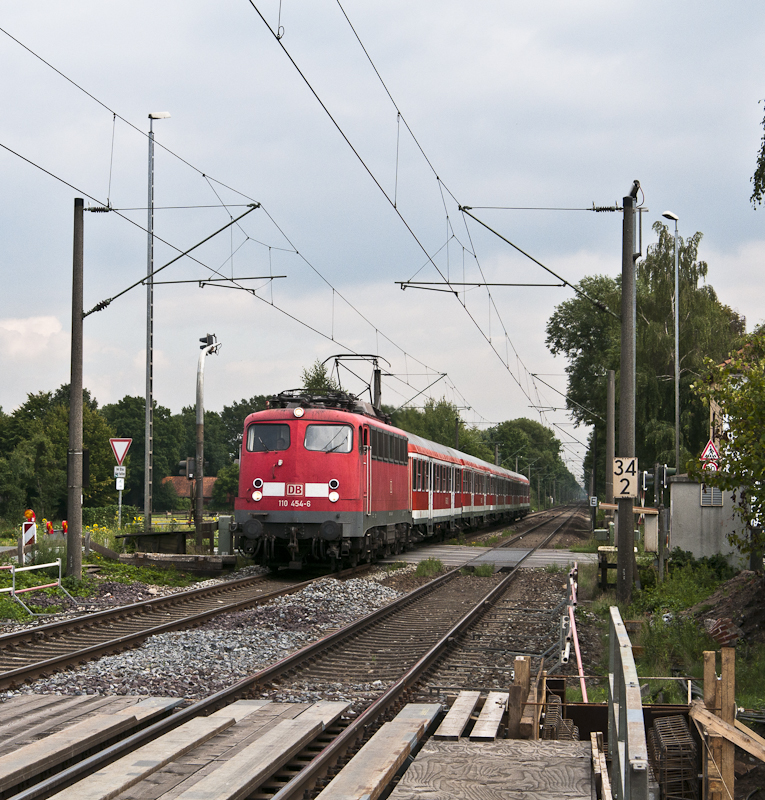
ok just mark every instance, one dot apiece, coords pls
pixel 138 765
pixel 728 715
pixel 515 705
pixel 242 709
pixel 243 773
pixel 730 732
pixel 54 717
pixel 151 707
pixel 325 711
pixel 497 771
pixel 529 723
pixel 37 756
pixel 750 733
pixel 490 718
pixel 174 779
pixel 371 769
pixel 418 713
pixel 710 679
pixel 458 717
pixel 522 673
pixel 38 720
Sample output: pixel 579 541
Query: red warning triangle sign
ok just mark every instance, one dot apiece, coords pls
pixel 711 453
pixel 120 448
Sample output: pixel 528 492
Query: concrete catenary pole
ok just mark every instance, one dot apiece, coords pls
pixel 74 476
pixel 625 536
pixel 610 453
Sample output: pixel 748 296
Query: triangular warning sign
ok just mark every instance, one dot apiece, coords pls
pixel 711 453
pixel 120 448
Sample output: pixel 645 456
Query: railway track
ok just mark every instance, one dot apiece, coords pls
pixel 39 651
pixel 398 646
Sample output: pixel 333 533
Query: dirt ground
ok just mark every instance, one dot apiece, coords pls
pixel 741 599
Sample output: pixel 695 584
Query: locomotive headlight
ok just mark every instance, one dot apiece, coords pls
pixel 333 497
pixel 334 484
pixel 258 483
pixel 298 412
pixel 257 496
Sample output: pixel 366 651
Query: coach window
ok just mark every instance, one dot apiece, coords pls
pixel 329 438
pixel 265 438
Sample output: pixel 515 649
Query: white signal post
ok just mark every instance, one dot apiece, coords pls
pixel 120 449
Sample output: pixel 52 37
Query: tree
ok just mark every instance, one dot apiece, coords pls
pixel 591 341
pixel 226 488
pixel 127 419
pixel 538 451
pixel 217 452
pixel 737 387
pixel 758 179
pixel 33 463
pixel 438 421
pixel 233 418
pixel 317 380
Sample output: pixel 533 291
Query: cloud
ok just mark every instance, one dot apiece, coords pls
pixel 34 356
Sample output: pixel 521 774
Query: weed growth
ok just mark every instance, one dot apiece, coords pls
pixel 429 568
pixel 483 570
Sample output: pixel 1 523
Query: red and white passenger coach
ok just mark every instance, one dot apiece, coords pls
pixel 327 479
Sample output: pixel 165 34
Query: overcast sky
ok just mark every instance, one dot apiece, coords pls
pixel 549 104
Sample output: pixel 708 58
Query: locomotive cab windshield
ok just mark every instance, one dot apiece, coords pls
pixel 265 438
pixel 329 438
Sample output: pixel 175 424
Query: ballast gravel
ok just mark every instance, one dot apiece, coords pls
pixel 198 662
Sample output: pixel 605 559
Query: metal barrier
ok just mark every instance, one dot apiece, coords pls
pixel 14 592
pixel 630 774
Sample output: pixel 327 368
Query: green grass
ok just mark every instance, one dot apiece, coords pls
pixel 429 568
pixel 397 565
pixel 483 570
pixel 675 645
pixel 750 683
pixel 125 573
pixel 555 568
pixel 590 546
pixel 595 694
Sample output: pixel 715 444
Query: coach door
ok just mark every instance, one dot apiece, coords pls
pixel 430 489
pixel 366 470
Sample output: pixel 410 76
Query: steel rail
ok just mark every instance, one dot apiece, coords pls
pixel 215 701
pixel 87 620
pixel 316 769
pixel 318 766
pixel 21 674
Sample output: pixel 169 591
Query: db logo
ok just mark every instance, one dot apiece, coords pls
pixel 295 489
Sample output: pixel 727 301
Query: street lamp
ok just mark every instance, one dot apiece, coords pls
pixel 674 217
pixel 148 460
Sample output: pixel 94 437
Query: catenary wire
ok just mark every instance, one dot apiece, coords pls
pixel 221 183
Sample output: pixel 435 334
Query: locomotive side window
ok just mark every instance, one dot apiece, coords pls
pixel 265 438
pixel 329 438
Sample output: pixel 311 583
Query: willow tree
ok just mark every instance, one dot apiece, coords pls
pixel 591 341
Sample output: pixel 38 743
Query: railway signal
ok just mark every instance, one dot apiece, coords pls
pixel 186 468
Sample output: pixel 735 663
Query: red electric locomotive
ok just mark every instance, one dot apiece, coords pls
pixel 327 479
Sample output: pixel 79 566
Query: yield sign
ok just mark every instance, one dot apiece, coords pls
pixel 120 448
pixel 710 453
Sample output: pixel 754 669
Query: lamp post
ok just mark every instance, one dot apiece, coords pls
pixel 674 217
pixel 148 459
